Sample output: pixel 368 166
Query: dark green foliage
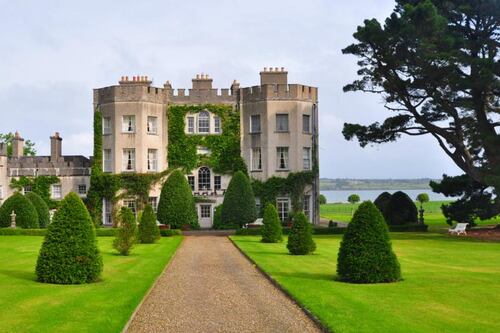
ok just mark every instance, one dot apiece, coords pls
pixel 41 208
pixel 26 215
pixel 22 232
pixel 300 240
pixel 286 231
pixel 419 227
pixel 239 202
pixel 365 254
pixel 39 185
pixel 218 217
pixel 69 253
pixel 176 207
pixel 94 194
pixel 127 233
pixel 29 146
pixel 170 232
pixel 148 230
pixel 271 230
pixel 322 199
pixel 401 210
pixel 332 224
pixel 353 199
pixel 382 201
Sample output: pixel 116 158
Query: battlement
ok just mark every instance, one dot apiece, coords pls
pixel 137 80
pixel 279 92
pixel 140 91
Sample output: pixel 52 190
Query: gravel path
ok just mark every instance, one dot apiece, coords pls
pixel 210 287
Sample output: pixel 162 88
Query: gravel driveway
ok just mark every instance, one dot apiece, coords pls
pixel 210 287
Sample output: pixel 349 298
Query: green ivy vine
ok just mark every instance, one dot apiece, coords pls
pixel 39 184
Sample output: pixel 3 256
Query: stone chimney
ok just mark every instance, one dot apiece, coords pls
pixel 17 145
pixel 202 81
pixel 273 76
pixel 55 147
pixel 235 86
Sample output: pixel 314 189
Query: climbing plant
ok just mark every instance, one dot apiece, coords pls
pixel 39 184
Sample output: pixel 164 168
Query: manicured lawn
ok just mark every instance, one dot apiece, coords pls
pixel 106 306
pixel 450 285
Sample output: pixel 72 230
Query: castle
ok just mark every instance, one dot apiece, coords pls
pixel 277 130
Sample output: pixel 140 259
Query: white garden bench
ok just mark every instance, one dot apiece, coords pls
pixel 459 229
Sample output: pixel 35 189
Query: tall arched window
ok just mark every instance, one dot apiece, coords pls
pixel 203 122
pixel 204 179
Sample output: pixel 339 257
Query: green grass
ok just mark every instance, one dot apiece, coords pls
pixel 105 306
pixel 450 285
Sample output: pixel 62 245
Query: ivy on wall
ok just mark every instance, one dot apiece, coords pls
pixel 95 193
pixel 40 185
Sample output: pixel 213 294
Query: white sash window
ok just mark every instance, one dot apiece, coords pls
pixel 282 158
pixel 128 159
pixel 152 159
pixel 128 124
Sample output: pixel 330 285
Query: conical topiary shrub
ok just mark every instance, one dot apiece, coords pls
pixel 400 210
pixel 69 253
pixel 365 254
pixel 382 201
pixel 126 236
pixel 148 230
pixel 26 215
pixel 218 217
pixel 300 240
pixel 271 230
pixel 41 208
pixel 176 207
pixel 239 202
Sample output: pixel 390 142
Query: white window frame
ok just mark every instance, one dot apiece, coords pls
pixel 255 125
pixel 152 159
pixel 152 125
pixel 130 203
pixel 128 160
pixel 217 125
pixel 256 157
pixel 153 201
pixel 79 189
pixel 192 182
pixel 217 182
pixel 204 179
pixel 307 206
pixel 1 192
pixel 204 122
pixel 128 124
pixel 282 158
pixel 205 211
pixel 190 124
pixel 306 158
pixel 107 212
pixel 306 120
pixel 106 126
pixel 27 189
pixel 282 126
pixel 56 191
pixel 281 203
pixel 107 160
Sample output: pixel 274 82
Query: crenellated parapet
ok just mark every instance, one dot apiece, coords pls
pixel 295 92
pixel 202 92
pixel 138 89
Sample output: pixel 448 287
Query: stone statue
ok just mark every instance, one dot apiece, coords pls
pixel 13 220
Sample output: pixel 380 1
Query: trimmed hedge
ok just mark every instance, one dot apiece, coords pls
pixel 170 232
pixel 286 231
pixel 41 208
pixel 239 202
pixel 271 230
pixel 26 215
pixel 300 240
pixel 148 230
pixel 22 232
pixel 400 210
pixel 126 236
pixel 218 217
pixel 69 253
pixel 418 227
pixel 365 254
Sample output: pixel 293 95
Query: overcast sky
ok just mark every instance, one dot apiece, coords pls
pixel 53 53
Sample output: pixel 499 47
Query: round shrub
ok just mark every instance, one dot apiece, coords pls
pixel 148 230
pixel 126 236
pixel 382 201
pixel 69 253
pixel 41 208
pixel 365 254
pixel 300 240
pixel 400 210
pixel 176 207
pixel 271 230
pixel 26 215
pixel 322 199
pixel 239 202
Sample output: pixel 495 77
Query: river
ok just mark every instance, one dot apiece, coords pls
pixel 341 195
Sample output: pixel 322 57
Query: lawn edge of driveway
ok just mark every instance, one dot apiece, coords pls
pixel 155 282
pixel 276 284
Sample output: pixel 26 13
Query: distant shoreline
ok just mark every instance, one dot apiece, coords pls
pixel 343 184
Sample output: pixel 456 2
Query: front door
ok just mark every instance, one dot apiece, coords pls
pixel 205 214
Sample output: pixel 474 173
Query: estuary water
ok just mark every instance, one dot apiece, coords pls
pixel 341 195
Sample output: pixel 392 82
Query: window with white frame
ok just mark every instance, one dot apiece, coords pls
pixel 282 158
pixel 255 123
pixel 107 160
pixel 27 189
pixel 257 206
pixel 128 124
pixel 204 179
pixel 217 183
pixel 107 211
pixel 152 159
pixel 153 201
pixel 307 206
pixel 306 158
pixel 217 127
pixel 306 123
pixel 190 122
pixel 256 159
pixel 282 122
pixel 283 206
pixel 205 211
pixel 82 189
pixel 130 203
pixel 152 127
pixel 56 191
pixel 204 122
pixel 191 182
pixel 128 160
pixel 1 192
pixel 106 125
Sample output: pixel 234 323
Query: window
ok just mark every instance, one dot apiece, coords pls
pixel 152 159
pixel 107 211
pixel 203 179
pixel 82 189
pixel 282 204
pixel 282 158
pixel 204 122
pixel 106 125
pixel 130 203
pixel 190 121
pixel 282 122
pixel 191 182
pixel 217 183
pixel 217 128
pixel 307 206
pixel 152 125
pixel 56 191
pixel 128 159
pixel 128 124
pixel 256 159
pixel 1 192
pixel 306 158
pixel 27 189
pixel 153 201
pixel 255 123
pixel 205 211
pixel 106 158
pixel 257 206
pixel 306 123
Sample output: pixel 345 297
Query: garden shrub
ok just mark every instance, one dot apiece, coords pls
pixel 322 199
pixel 41 208
pixel 126 236
pixel 382 201
pixel 400 210
pixel 148 230
pixel 176 207
pixel 365 254
pixel 218 217
pixel 69 253
pixel 22 232
pixel 239 202
pixel 170 232
pixel 26 215
pixel 106 232
pixel 271 230
pixel 300 240
pixel 419 227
